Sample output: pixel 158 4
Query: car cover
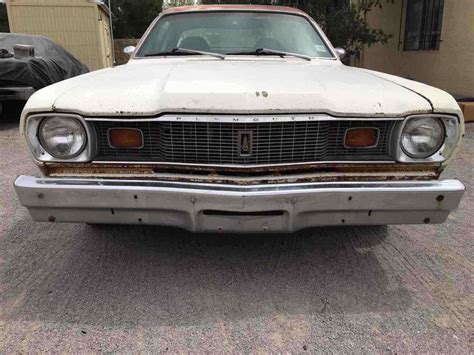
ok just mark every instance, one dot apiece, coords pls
pixel 51 63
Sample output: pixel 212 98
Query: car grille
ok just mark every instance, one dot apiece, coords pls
pixel 218 143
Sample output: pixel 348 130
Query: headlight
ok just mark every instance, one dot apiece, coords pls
pixel 62 137
pixel 422 137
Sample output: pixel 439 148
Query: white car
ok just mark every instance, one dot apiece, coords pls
pixel 240 119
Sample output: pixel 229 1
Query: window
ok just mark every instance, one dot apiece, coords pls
pixel 235 32
pixel 423 24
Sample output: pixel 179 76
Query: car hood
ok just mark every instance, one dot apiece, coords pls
pixel 149 87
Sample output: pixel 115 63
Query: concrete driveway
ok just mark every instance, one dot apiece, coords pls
pixel 81 288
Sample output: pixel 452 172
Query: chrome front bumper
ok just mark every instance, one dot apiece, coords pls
pixel 241 209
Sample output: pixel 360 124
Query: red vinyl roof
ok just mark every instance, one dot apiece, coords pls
pixel 263 8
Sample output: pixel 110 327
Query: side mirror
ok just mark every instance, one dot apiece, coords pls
pixel 129 50
pixel 341 52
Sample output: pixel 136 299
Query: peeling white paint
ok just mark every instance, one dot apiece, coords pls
pixel 150 87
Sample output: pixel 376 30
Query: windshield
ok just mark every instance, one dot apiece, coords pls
pixel 234 33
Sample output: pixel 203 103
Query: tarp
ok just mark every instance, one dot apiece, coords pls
pixel 52 63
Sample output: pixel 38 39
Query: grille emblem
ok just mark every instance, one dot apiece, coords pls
pixel 245 143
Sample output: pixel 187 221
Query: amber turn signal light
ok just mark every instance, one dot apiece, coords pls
pixel 361 138
pixel 125 138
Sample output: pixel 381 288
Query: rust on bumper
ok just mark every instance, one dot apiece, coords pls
pixel 238 209
pixel 249 175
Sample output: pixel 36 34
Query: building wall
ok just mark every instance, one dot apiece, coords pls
pixel 450 68
pixel 80 26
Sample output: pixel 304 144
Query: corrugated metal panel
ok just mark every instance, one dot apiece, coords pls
pixel 74 24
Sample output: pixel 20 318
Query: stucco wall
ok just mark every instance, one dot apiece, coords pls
pixel 450 68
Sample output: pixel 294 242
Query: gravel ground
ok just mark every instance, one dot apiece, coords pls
pixel 80 288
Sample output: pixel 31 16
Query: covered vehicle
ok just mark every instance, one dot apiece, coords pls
pixel 21 76
pixel 240 119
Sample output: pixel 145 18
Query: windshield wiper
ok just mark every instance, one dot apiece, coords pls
pixel 185 51
pixel 267 51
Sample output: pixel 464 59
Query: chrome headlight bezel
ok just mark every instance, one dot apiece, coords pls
pixel 80 136
pixel 438 136
pixel 452 134
pixel 40 153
